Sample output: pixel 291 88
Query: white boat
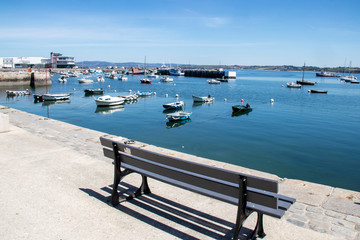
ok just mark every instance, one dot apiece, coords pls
pixel 213 81
pixel 166 79
pixel 176 116
pixel 62 79
pixel 108 100
pixel 108 75
pixel 130 97
pixel 55 97
pixel 348 78
pixel 113 76
pixel 10 93
pixel 203 99
pixel 176 72
pixel 100 78
pixel 152 75
pixel 174 105
pixel 85 80
pixel 123 78
pixel 293 85
pixel 143 94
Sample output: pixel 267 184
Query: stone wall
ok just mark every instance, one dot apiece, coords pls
pixel 25 78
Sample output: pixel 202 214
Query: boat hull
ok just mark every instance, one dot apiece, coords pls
pixel 178 116
pixel 55 97
pixel 203 99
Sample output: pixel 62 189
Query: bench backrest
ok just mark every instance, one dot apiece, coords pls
pixel 211 181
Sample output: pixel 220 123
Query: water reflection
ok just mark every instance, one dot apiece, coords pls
pixel 110 109
pixel 48 103
pixel 197 104
pixel 240 113
pixel 175 124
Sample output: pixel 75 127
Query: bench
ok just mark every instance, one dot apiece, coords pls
pixel 249 193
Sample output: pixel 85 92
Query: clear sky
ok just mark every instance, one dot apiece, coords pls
pixel 322 33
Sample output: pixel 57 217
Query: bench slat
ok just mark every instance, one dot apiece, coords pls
pixel 226 175
pixel 227 189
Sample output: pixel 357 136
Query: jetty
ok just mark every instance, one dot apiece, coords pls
pixel 56 184
pixel 204 73
pixel 16 78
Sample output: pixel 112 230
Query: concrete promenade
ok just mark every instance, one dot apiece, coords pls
pixel 55 183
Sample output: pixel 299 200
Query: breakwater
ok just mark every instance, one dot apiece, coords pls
pixel 25 78
pixel 204 73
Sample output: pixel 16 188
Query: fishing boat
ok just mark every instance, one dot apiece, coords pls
pixel 94 91
pixel 177 116
pixel 109 101
pixel 213 81
pixel 55 97
pixel 317 91
pixel 146 81
pixel 349 78
pixel 11 93
pixel 152 75
pixel 166 79
pixel 304 82
pixel 203 99
pixel 293 85
pixel 242 108
pixel 174 105
pixel 176 72
pixel 85 80
pixel 326 74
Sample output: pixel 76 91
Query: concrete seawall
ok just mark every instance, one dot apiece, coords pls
pixel 25 78
pixel 55 182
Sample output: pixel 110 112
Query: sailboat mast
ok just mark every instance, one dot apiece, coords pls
pixel 303 72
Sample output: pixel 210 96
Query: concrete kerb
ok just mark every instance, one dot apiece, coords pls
pixel 319 209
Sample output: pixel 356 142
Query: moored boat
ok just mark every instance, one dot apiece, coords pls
pixel 304 82
pixel 143 94
pixel 166 79
pixel 213 81
pixel 109 101
pixel 293 85
pixel 55 97
pixel 203 99
pixel 85 80
pixel 326 74
pixel 123 78
pixel 94 91
pixel 176 72
pixel 317 91
pixel 146 81
pixel 11 93
pixel 242 108
pixel 176 116
pixel 100 78
pixel 174 105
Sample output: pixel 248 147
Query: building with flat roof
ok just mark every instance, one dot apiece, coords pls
pixel 23 62
pixel 57 60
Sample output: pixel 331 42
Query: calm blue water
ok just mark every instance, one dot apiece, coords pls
pixel 312 137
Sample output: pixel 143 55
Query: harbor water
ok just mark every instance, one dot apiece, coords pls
pixel 301 135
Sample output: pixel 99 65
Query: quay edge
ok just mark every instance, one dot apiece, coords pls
pixel 25 78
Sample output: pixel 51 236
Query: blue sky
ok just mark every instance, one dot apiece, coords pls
pixel 258 32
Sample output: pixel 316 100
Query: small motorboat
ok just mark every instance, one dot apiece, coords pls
pixel 174 105
pixel 293 85
pixel 242 108
pixel 85 80
pixel 143 94
pixel 213 81
pixel 317 91
pixel 109 101
pixel 130 97
pixel 94 91
pixel 123 78
pixel 38 98
pixel 166 79
pixel 176 116
pixel 11 93
pixel 146 81
pixel 152 75
pixel 56 97
pixel 100 78
pixel 203 99
pixel 62 79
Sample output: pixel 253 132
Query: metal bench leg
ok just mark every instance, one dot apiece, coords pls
pixel 241 213
pixel 144 188
pixel 259 229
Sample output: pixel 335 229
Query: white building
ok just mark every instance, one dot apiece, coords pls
pixel 23 62
pixel 60 61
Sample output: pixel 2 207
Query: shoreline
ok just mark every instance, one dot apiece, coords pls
pixel 321 208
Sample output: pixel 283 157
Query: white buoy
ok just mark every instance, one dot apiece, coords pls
pixel 114 90
pixel 225 99
pixel 166 95
pixel 177 95
pixel 272 100
pixel 154 93
pixel 130 90
pixel 182 146
pixel 108 86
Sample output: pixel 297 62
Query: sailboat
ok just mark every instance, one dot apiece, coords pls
pixel 349 78
pixel 303 82
pixel 145 80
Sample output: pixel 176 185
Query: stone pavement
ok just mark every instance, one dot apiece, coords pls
pixel 55 183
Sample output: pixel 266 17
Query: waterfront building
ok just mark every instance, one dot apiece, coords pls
pixel 60 61
pixel 23 62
